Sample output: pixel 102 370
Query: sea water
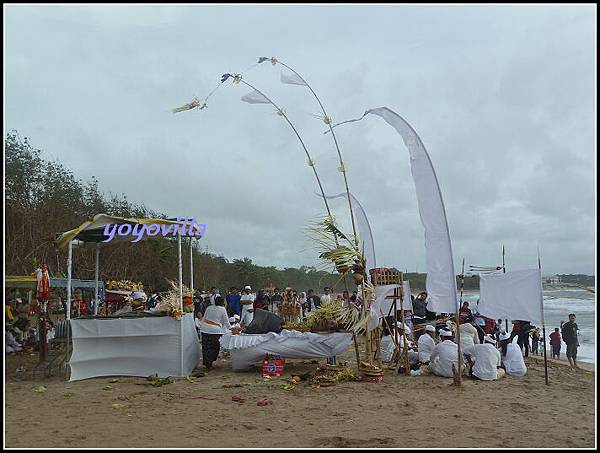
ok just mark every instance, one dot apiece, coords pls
pixel 557 306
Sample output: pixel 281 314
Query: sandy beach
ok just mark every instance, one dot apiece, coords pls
pixel 401 411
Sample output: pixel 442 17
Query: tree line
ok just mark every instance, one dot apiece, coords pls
pixel 44 198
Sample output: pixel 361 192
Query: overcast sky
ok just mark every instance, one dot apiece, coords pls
pixel 502 96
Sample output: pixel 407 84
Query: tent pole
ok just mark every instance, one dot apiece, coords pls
pixel 543 323
pixel 68 314
pixel 504 271
pixel 458 378
pixel 180 272
pixel 69 267
pixel 192 265
pixel 97 300
pixel 180 304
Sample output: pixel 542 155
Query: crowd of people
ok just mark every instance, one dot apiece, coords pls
pixel 487 345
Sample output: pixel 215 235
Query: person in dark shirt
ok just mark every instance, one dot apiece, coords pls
pixel 234 306
pixel 419 313
pixel 523 336
pixel 569 336
pixel 276 301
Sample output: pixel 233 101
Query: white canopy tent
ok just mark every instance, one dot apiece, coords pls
pixel 94 231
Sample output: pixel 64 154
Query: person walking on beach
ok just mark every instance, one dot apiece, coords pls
pixel 214 324
pixel 569 336
pixel 555 343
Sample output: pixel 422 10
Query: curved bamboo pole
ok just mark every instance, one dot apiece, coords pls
pixel 282 113
pixel 327 121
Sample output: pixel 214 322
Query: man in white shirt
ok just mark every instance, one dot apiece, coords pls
pixel 327 296
pixel 426 344
pixel 444 356
pixel 468 334
pixel 213 294
pixel 247 301
pixel 485 360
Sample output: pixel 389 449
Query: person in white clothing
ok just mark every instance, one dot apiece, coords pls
pixel 213 295
pixel 327 296
pixel 512 357
pixel 468 334
pixel 444 356
pixel 426 343
pixel 235 321
pixel 247 302
pixel 484 360
pixel 215 323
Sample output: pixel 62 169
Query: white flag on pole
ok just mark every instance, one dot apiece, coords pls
pixel 255 97
pixel 515 295
pixel 292 79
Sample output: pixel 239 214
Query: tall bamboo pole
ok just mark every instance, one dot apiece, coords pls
pixel 327 121
pixel 543 324
pixel 282 113
pixel 504 271
pixel 342 169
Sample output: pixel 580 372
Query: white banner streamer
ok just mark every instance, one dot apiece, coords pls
pixel 292 79
pixel 364 228
pixel 254 97
pixel 441 279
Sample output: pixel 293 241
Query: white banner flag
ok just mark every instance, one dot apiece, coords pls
pixel 255 98
pixel 292 79
pixel 441 279
pixel 515 295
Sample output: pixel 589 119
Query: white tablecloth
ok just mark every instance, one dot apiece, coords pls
pixel 247 350
pixel 134 347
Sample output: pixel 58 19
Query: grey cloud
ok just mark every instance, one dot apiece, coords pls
pixel 502 96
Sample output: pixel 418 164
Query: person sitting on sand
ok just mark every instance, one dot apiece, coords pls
pixel 11 344
pixel 484 360
pixel 444 356
pixel 512 357
pixel 465 312
pixel 426 344
pixel 468 333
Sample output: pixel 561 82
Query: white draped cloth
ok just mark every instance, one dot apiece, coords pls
pixel 247 350
pixel 134 347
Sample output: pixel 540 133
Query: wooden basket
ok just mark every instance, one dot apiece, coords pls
pixel 385 276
